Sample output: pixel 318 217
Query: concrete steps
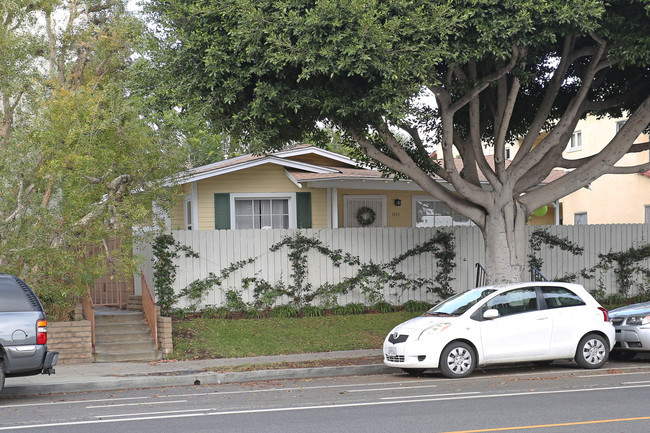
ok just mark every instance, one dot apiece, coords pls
pixel 134 303
pixel 123 336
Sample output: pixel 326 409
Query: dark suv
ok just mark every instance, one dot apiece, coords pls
pixel 23 331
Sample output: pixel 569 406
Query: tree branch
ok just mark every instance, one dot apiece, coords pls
pixel 592 167
pixel 565 125
pixel 505 112
pixel 487 80
pixel 547 102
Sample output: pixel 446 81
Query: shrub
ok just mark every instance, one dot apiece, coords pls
pixel 284 311
pixel 216 313
pixel 383 307
pixel 234 301
pixel 254 313
pixel 312 311
pixel 355 308
pixel 416 306
pixel 181 314
pixel 613 301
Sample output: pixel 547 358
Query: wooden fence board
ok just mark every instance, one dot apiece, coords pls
pixel 220 249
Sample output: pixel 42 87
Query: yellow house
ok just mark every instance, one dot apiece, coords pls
pixel 303 187
pixel 612 198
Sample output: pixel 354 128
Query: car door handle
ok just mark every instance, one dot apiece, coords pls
pixel 542 318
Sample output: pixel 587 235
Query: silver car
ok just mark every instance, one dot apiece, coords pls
pixel 632 324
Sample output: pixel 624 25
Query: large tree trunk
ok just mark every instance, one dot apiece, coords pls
pixel 505 240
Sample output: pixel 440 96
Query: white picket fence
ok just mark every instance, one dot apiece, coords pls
pixel 220 248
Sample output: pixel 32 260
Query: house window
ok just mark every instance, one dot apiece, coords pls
pixel 271 213
pixel 507 153
pixel 428 212
pixel 619 125
pixel 647 214
pixel 575 143
pixel 188 213
pixel 580 219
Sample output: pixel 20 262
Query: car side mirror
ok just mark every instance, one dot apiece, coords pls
pixel 491 314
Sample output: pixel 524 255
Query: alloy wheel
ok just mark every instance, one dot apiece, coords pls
pixel 594 351
pixel 459 360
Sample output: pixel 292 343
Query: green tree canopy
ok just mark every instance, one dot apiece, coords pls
pixel 80 163
pixel 461 74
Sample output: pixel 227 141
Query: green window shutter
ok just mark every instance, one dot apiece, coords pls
pixel 303 210
pixel 222 211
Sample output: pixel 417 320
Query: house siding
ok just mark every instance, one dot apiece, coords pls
pixel 611 198
pixel 397 216
pixel 263 179
pixel 177 216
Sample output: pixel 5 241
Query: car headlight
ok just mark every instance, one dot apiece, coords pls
pixel 638 320
pixel 433 330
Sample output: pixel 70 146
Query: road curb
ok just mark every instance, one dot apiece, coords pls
pixel 189 379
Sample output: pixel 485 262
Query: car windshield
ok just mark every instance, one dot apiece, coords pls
pixel 458 304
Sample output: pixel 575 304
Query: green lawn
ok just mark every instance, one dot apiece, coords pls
pixel 201 338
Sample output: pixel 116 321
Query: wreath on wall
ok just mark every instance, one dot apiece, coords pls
pixel 366 216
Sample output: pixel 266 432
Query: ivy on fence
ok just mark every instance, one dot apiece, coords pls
pixel 165 250
pixel 371 278
pixel 626 265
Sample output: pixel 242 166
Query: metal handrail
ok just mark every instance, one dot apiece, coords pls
pixel 536 275
pixel 88 309
pixel 149 309
pixel 481 275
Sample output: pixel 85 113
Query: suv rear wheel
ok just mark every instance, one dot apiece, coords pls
pixel 2 374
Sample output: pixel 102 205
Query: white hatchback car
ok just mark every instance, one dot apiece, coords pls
pixel 517 322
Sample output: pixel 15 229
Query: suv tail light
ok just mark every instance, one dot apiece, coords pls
pixel 41 332
pixel 605 313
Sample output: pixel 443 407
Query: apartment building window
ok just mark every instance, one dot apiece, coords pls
pixel 575 143
pixel 580 219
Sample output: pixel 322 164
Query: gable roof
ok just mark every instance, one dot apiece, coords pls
pixel 307 163
pixel 280 158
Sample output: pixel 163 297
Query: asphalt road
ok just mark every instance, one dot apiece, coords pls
pixel 558 398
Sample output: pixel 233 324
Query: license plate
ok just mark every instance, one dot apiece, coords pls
pixel 392 351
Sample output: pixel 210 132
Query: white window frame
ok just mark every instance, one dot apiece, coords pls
pixel 575 142
pixel 419 198
pixel 578 216
pixel 188 217
pixel 290 196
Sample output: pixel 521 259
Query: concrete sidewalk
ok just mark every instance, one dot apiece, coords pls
pixel 125 375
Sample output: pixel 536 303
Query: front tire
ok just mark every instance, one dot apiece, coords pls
pixel 592 351
pixel 457 360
